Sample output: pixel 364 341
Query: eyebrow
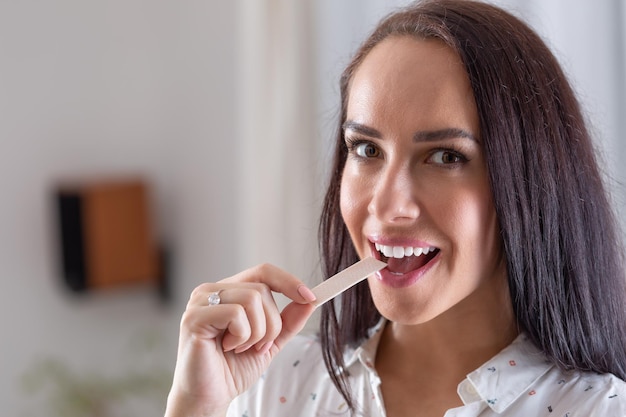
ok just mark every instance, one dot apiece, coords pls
pixel 421 136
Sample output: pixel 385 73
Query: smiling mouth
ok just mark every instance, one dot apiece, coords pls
pixel 403 259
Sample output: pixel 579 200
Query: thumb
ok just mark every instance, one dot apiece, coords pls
pixel 294 318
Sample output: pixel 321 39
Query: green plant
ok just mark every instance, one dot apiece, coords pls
pixel 68 393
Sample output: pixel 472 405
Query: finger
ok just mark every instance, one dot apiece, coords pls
pixel 211 322
pixel 261 310
pixel 199 295
pixel 278 281
pixel 258 303
pixel 294 317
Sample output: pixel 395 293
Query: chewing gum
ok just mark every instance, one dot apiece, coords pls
pixel 345 279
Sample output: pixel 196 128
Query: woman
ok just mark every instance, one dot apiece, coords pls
pixel 462 160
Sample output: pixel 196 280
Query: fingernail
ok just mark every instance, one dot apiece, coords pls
pixel 306 293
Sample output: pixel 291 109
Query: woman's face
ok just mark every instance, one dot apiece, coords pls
pixel 414 190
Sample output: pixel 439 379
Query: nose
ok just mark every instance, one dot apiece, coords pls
pixel 393 199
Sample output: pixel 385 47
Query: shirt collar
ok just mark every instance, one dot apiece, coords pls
pixel 498 382
pixel 366 352
pixel 507 376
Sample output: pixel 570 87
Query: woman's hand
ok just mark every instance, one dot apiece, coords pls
pixel 223 349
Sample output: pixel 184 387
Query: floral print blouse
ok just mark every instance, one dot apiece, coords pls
pixel 517 382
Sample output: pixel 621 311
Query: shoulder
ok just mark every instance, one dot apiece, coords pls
pixel 300 363
pixel 523 381
pixel 575 393
pixel 302 350
pixel 301 358
pixel 296 383
pixel 592 392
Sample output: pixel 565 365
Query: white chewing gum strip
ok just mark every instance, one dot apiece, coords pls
pixel 345 279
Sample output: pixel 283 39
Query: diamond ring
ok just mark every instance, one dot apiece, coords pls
pixel 214 298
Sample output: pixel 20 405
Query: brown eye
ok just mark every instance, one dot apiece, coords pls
pixel 367 150
pixel 447 157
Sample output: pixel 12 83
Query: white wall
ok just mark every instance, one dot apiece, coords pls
pixel 98 88
pixel 340 28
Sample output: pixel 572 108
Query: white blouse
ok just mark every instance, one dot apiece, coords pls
pixel 517 382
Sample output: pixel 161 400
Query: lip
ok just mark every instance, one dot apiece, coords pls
pixel 395 280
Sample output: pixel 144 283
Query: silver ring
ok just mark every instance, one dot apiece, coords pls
pixel 214 298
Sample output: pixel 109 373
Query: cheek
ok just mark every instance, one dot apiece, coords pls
pixel 477 229
pixel 492 245
pixel 462 210
pixel 486 224
pixel 352 201
pixel 347 201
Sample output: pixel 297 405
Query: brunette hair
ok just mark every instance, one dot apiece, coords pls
pixel 559 234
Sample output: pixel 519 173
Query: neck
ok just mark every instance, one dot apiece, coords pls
pixel 452 344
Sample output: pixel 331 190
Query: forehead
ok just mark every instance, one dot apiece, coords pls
pixel 422 80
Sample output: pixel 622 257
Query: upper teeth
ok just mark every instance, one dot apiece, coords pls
pixel 401 251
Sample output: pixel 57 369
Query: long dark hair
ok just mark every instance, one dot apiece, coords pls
pixel 559 234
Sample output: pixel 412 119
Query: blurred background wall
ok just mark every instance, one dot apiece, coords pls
pixel 227 109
